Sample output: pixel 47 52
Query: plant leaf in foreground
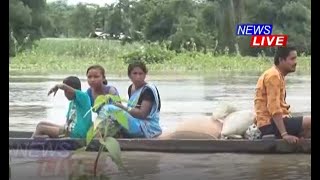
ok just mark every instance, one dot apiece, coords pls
pixel 113 148
pixel 90 135
pixel 121 118
pixel 100 100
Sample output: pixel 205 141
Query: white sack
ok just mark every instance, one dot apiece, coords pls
pixel 222 111
pixel 237 123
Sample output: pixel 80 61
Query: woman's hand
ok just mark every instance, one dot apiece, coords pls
pixel 120 106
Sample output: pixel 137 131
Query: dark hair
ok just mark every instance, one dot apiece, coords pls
pixel 73 82
pixel 282 53
pixel 139 64
pixel 105 82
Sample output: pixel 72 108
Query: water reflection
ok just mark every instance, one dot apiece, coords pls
pixel 87 177
pixel 148 165
pixel 280 167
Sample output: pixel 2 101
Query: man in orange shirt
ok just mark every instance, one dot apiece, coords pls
pixel 273 115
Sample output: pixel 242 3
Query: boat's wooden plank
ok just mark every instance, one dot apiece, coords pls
pixel 20 134
pixel 46 144
pixel 203 146
pixel 185 145
pixel 21 140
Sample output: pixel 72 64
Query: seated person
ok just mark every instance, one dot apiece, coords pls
pixel 98 83
pixel 143 108
pixel 273 115
pixel 77 124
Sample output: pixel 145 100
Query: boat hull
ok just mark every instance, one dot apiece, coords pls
pixel 23 141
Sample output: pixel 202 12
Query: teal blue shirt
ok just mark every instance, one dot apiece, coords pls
pixel 76 112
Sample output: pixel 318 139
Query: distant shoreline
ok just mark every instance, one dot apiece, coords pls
pixel 52 56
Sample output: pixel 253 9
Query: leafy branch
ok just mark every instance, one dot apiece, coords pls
pixel 105 129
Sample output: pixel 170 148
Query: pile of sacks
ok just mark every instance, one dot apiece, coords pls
pixel 226 122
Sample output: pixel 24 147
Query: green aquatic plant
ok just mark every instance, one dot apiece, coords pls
pixel 58 56
pixel 105 130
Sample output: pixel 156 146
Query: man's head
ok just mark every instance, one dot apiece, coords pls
pixel 73 82
pixel 286 59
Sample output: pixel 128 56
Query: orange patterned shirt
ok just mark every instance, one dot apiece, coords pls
pixel 270 97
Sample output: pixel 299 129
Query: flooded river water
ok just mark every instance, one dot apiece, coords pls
pixel 181 97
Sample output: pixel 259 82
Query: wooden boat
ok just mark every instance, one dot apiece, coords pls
pixel 22 140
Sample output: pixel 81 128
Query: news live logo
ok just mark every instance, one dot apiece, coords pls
pixel 261 35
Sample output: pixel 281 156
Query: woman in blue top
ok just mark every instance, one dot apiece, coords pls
pixel 77 124
pixel 98 84
pixel 144 105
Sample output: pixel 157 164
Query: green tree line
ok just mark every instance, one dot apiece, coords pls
pixel 195 25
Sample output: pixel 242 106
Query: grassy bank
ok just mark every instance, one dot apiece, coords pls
pixel 58 56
